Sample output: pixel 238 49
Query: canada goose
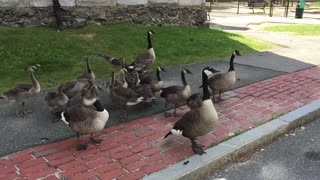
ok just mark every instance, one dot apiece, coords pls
pixel 120 78
pixel 198 121
pixel 57 100
pixel 156 84
pixel 177 94
pixel 86 120
pixel 90 75
pixel 89 95
pixel 124 96
pixel 223 81
pixel 73 88
pixel 23 91
pixel 146 58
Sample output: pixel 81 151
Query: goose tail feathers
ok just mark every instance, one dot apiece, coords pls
pixel 167 134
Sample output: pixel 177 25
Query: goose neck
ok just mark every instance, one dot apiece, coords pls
pixel 88 66
pixel 158 75
pixel 149 41
pixel 206 94
pixel 183 78
pixel 231 67
pixel 35 83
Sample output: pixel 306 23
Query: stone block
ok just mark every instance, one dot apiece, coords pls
pixel 14 3
pixel 97 3
pixel 191 2
pixel 163 1
pixel 40 3
pixel 68 3
pixel 132 2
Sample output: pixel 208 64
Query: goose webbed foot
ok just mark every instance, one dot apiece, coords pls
pixel 95 141
pixel 197 148
pixel 81 147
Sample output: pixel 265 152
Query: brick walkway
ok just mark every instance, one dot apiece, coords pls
pixel 135 149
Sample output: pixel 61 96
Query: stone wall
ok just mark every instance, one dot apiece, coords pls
pixel 83 12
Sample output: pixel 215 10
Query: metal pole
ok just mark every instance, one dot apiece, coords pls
pixel 271 9
pixel 238 6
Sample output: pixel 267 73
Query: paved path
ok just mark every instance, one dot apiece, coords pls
pixel 295 156
pixel 134 149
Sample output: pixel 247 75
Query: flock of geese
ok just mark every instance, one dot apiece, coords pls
pixel 131 85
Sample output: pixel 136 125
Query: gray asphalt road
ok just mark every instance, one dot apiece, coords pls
pixel 295 156
pixel 37 128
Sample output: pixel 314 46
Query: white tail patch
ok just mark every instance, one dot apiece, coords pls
pixel 131 67
pixel 140 99
pixel 64 118
pixel 176 132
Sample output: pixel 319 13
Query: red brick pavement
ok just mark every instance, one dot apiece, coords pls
pixel 135 149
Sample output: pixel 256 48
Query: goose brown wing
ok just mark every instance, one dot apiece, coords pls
pixel 124 92
pixel 186 123
pixel 171 90
pixel 50 95
pixel 69 86
pixel 146 79
pixel 144 58
pixel 215 76
pixel 79 114
pixel 19 88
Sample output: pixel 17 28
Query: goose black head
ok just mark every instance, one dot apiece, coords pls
pixel 185 70
pixel 151 32
pixel 236 53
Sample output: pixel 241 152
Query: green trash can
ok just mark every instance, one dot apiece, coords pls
pixel 299 12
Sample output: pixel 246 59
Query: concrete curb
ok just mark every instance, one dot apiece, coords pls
pixel 200 166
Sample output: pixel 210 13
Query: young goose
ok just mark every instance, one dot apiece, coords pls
pixel 120 78
pixel 198 121
pixel 89 96
pixel 155 84
pixel 132 79
pixel 73 88
pixel 86 120
pixel 223 81
pixel 124 96
pixel 146 58
pixel 57 100
pixel 90 75
pixel 177 94
pixel 23 91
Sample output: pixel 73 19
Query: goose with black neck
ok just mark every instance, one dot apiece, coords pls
pixel 200 120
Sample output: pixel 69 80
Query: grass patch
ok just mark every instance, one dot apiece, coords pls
pixel 61 54
pixel 300 29
pixel 315 3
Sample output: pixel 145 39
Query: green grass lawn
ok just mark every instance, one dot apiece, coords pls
pixel 315 3
pixel 61 55
pixel 300 29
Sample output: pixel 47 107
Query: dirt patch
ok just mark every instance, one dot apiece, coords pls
pixel 90 36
